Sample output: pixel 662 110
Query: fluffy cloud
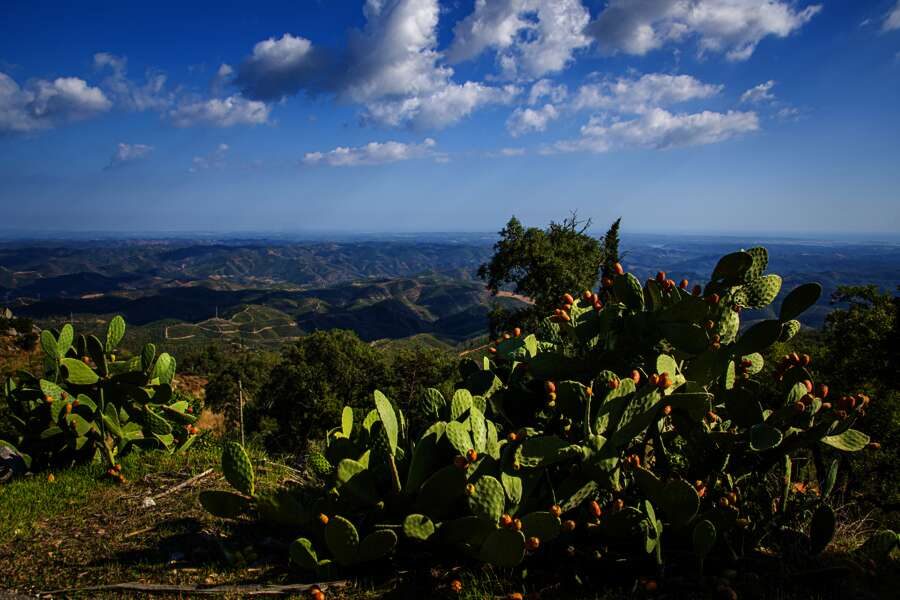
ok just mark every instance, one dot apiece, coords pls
pixel 213 160
pixel 374 153
pixel 279 67
pixel 734 27
pixel 759 93
pixel 220 112
pixel 440 108
pixel 659 129
pixel 547 89
pixel 636 95
pixel 396 54
pixel 532 37
pixel 41 104
pixel 528 120
pixel 892 20
pixel 128 153
pixel 151 95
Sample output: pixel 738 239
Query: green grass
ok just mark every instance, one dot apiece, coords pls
pixel 28 500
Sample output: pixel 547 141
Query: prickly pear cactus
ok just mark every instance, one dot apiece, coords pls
pixel 87 404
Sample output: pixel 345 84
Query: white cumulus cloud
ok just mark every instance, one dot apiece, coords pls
pixel 279 67
pixel 150 95
pixel 220 112
pixel 892 20
pixel 733 27
pixel 759 93
pixel 42 104
pixel 529 120
pixel 659 129
pixel 532 37
pixel 128 153
pixel 638 94
pixel 373 153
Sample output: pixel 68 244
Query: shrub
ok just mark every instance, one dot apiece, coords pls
pixel 630 424
pixel 87 405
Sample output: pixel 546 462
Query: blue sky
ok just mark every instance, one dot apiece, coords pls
pixel 418 115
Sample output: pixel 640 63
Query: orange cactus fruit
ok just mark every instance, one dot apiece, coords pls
pixel 68 408
pixel 684 284
pixel 507 336
pixel 549 387
pixel 533 543
pixel 48 399
pixel 618 269
pixel 595 509
pixel 555 510
pixel 514 596
pixel 456 586
pixel 569 525
pixel 667 410
pixel 809 385
pixel 650 586
pixel 512 436
pixel 568 299
pixel 712 299
pixel 51 478
pixel 823 391
pixel 697 290
pixel 606 282
pixel 323 519
pixel 660 276
pixel 505 520
pixel 517 331
pixel 470 489
pixel 654 379
pixel 636 376
pixel 587 295
pixel 664 381
pixel 517 524
pixel 318 595
pixel 471 455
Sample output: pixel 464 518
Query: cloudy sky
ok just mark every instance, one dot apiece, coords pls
pixel 450 115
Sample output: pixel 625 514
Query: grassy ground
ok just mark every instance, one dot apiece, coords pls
pixel 80 531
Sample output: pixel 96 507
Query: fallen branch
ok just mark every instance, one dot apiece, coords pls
pixel 206 590
pixel 183 484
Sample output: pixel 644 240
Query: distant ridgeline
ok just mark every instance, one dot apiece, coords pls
pixel 265 292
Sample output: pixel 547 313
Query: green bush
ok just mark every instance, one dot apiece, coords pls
pixel 87 405
pixel 630 424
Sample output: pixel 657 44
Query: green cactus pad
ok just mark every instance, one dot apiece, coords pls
pixel 418 527
pixel 764 437
pixel 758 337
pixel 545 450
pixel 732 268
pixel 283 507
pixel 760 261
pixel 156 423
pixel 237 468
pixel 503 548
pixel 798 300
pixel 48 345
pixel 342 540
pixel 788 330
pixel 821 529
pixel 434 404
pixel 542 525
pixel 164 369
pixel 303 555
pixel 320 465
pixel 357 482
pixel 879 545
pixel 78 373
pixel 65 339
pixel 830 479
pixel 461 402
pixel 388 419
pixel 625 525
pixel 704 538
pixel 458 435
pixel 470 531
pixel 649 483
pixel 680 501
pixel 441 491
pixel 478 426
pixel 225 505
pixel 376 545
pixel 425 457
pixel 115 331
pixel 761 291
pixel 628 290
pixel 512 486
pixel 488 500
pixel 851 440
pixel 347 421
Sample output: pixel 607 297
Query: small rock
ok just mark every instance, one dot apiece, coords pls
pixel 148 502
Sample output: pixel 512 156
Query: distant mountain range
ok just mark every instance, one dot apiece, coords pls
pixel 270 290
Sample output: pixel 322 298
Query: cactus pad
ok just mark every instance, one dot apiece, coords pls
pixel 418 527
pixel 503 548
pixel 458 435
pixel 704 538
pixel 320 465
pixel 488 500
pixel 542 525
pixel 342 540
pixel 851 440
pixel 821 529
pixel 237 468
pixel 303 555
pixel 376 545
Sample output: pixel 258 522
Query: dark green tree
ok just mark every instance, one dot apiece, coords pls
pixel 611 250
pixel 542 265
